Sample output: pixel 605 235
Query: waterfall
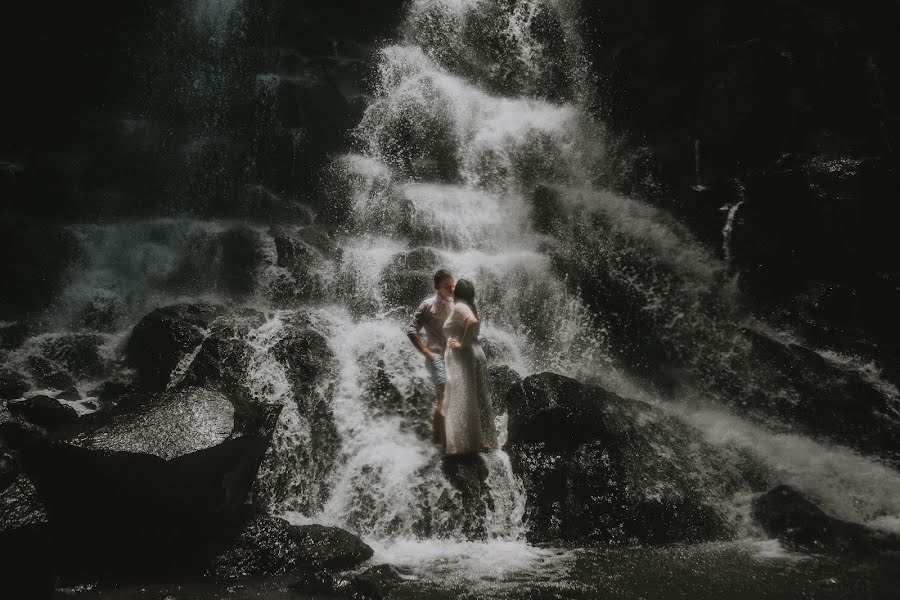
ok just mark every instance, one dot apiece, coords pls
pixel 476 144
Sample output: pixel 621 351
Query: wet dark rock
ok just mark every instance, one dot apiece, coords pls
pixel 468 473
pixel 789 515
pixel 104 312
pixel 223 360
pixel 259 202
pixel 415 408
pixel 500 379
pixel 78 353
pixel 376 582
pixel 372 584
pixel 798 388
pixel 300 258
pixel 163 337
pixel 307 357
pixel 12 384
pixel 476 45
pixel 46 373
pixel 269 545
pixel 319 581
pixel 311 367
pixel 148 487
pixel 110 391
pixel 409 278
pixel 598 468
pixel 420 140
pixel 26 549
pixel 44 411
pixel 173 423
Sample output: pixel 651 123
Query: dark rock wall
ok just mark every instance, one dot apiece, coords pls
pixel 788 105
pixel 115 108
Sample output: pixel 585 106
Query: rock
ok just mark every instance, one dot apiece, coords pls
pixel 300 259
pixel 409 278
pixel 104 312
pixel 320 581
pixel 163 337
pixel 468 474
pixel 12 384
pixel 271 546
pixel 376 582
pixel 44 411
pixel 413 128
pixel 147 488
pixel 78 353
pixel 298 472
pixel 787 514
pixel 223 359
pixel 48 374
pixel 415 408
pixel 798 388
pixel 500 379
pixel 26 549
pixel 372 584
pixel 600 468
pixel 110 391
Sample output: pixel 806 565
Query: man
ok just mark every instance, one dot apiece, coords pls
pixel 430 316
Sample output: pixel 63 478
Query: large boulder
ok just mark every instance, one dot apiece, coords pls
pixel 784 512
pixel 792 387
pixel 409 278
pixel 12 384
pixel 500 379
pixel 298 472
pixel 146 487
pixel 385 398
pixel 269 545
pixel 601 468
pixel 163 337
pixel 299 259
pixel 78 353
pixel 26 550
pixel 223 360
pixel 46 373
pixel 44 411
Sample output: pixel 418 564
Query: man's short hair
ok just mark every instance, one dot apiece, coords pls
pixel 440 275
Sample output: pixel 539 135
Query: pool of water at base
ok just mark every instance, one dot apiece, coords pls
pixel 739 570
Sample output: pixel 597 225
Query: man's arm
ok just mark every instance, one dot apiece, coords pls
pixel 412 332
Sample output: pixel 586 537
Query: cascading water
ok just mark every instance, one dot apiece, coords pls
pixel 478 117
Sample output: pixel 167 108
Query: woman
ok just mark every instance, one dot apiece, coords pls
pixel 468 416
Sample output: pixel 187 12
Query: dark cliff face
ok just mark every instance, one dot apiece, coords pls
pixel 115 108
pixel 750 80
pixel 786 106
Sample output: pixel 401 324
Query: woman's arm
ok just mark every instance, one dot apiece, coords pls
pixel 467 334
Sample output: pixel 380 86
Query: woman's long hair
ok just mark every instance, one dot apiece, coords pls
pixel 465 291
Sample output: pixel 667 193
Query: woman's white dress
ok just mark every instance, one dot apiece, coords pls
pixel 468 416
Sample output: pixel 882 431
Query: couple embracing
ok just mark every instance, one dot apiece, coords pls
pixel 463 420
